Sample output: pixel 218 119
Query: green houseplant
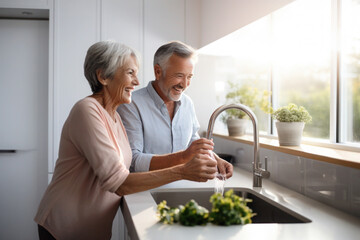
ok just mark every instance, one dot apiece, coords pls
pixel 235 119
pixel 291 120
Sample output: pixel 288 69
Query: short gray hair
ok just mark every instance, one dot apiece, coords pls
pixel 178 48
pixel 107 56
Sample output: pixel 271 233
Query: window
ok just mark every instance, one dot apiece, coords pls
pixel 245 68
pixel 350 70
pixel 302 61
pixel 292 53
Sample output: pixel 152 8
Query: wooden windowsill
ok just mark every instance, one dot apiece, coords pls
pixel 325 154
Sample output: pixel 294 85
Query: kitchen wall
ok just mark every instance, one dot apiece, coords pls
pixel 219 18
pixel 332 184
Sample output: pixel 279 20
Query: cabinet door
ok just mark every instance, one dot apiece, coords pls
pixel 163 21
pixel 23 124
pixel 76 28
pixel 122 21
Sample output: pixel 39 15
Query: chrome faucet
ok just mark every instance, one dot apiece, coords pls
pixel 258 172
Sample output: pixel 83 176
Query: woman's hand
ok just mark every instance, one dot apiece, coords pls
pixel 202 146
pixel 200 168
pixel 225 168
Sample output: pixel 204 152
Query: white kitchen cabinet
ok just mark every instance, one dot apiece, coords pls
pixel 122 20
pixel 144 26
pixel 163 21
pixel 76 28
pixel 23 124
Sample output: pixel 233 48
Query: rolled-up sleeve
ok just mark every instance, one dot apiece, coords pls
pixel 131 118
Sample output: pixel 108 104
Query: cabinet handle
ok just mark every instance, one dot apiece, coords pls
pixel 7 150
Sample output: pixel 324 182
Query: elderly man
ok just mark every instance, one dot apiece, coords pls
pixel 161 119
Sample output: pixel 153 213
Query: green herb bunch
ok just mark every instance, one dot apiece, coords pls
pixel 292 113
pixel 230 209
pixel 166 214
pixel 193 214
pixel 189 215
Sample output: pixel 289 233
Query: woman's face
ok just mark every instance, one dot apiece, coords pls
pixel 124 82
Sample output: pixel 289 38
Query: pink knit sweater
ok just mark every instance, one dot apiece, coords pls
pixel 94 158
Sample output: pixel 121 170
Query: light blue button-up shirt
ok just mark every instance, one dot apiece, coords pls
pixel 150 130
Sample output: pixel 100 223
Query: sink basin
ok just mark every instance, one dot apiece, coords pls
pixel 266 209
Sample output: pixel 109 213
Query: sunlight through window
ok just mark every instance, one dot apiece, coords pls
pixel 289 53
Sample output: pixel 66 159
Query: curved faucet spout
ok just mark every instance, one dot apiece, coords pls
pixel 258 172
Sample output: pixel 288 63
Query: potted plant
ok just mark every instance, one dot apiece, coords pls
pixel 291 120
pixel 236 120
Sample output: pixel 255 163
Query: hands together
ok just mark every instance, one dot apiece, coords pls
pixel 200 165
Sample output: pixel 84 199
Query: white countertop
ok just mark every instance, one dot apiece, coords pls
pixel 139 212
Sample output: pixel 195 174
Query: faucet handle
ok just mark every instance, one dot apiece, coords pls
pixel 266 161
pixel 265 173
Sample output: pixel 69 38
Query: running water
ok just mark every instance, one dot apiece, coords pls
pixel 219 183
pixel 219 179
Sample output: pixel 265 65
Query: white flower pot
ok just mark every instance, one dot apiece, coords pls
pixel 290 133
pixel 237 127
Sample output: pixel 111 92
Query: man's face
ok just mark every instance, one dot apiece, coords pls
pixel 176 77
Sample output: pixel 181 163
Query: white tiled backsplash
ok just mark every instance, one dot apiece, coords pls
pixel 332 184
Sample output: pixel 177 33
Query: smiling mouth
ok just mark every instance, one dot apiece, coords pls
pixel 178 89
pixel 129 89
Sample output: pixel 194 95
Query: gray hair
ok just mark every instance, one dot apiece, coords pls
pixel 107 56
pixel 178 48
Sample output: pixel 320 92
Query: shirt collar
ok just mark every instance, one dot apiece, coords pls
pixel 157 99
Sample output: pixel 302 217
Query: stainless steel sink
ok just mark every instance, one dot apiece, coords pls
pixel 266 209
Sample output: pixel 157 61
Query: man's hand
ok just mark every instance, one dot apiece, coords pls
pixel 200 146
pixel 224 166
pixel 200 168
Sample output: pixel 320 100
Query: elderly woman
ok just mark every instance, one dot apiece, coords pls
pixel 91 173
